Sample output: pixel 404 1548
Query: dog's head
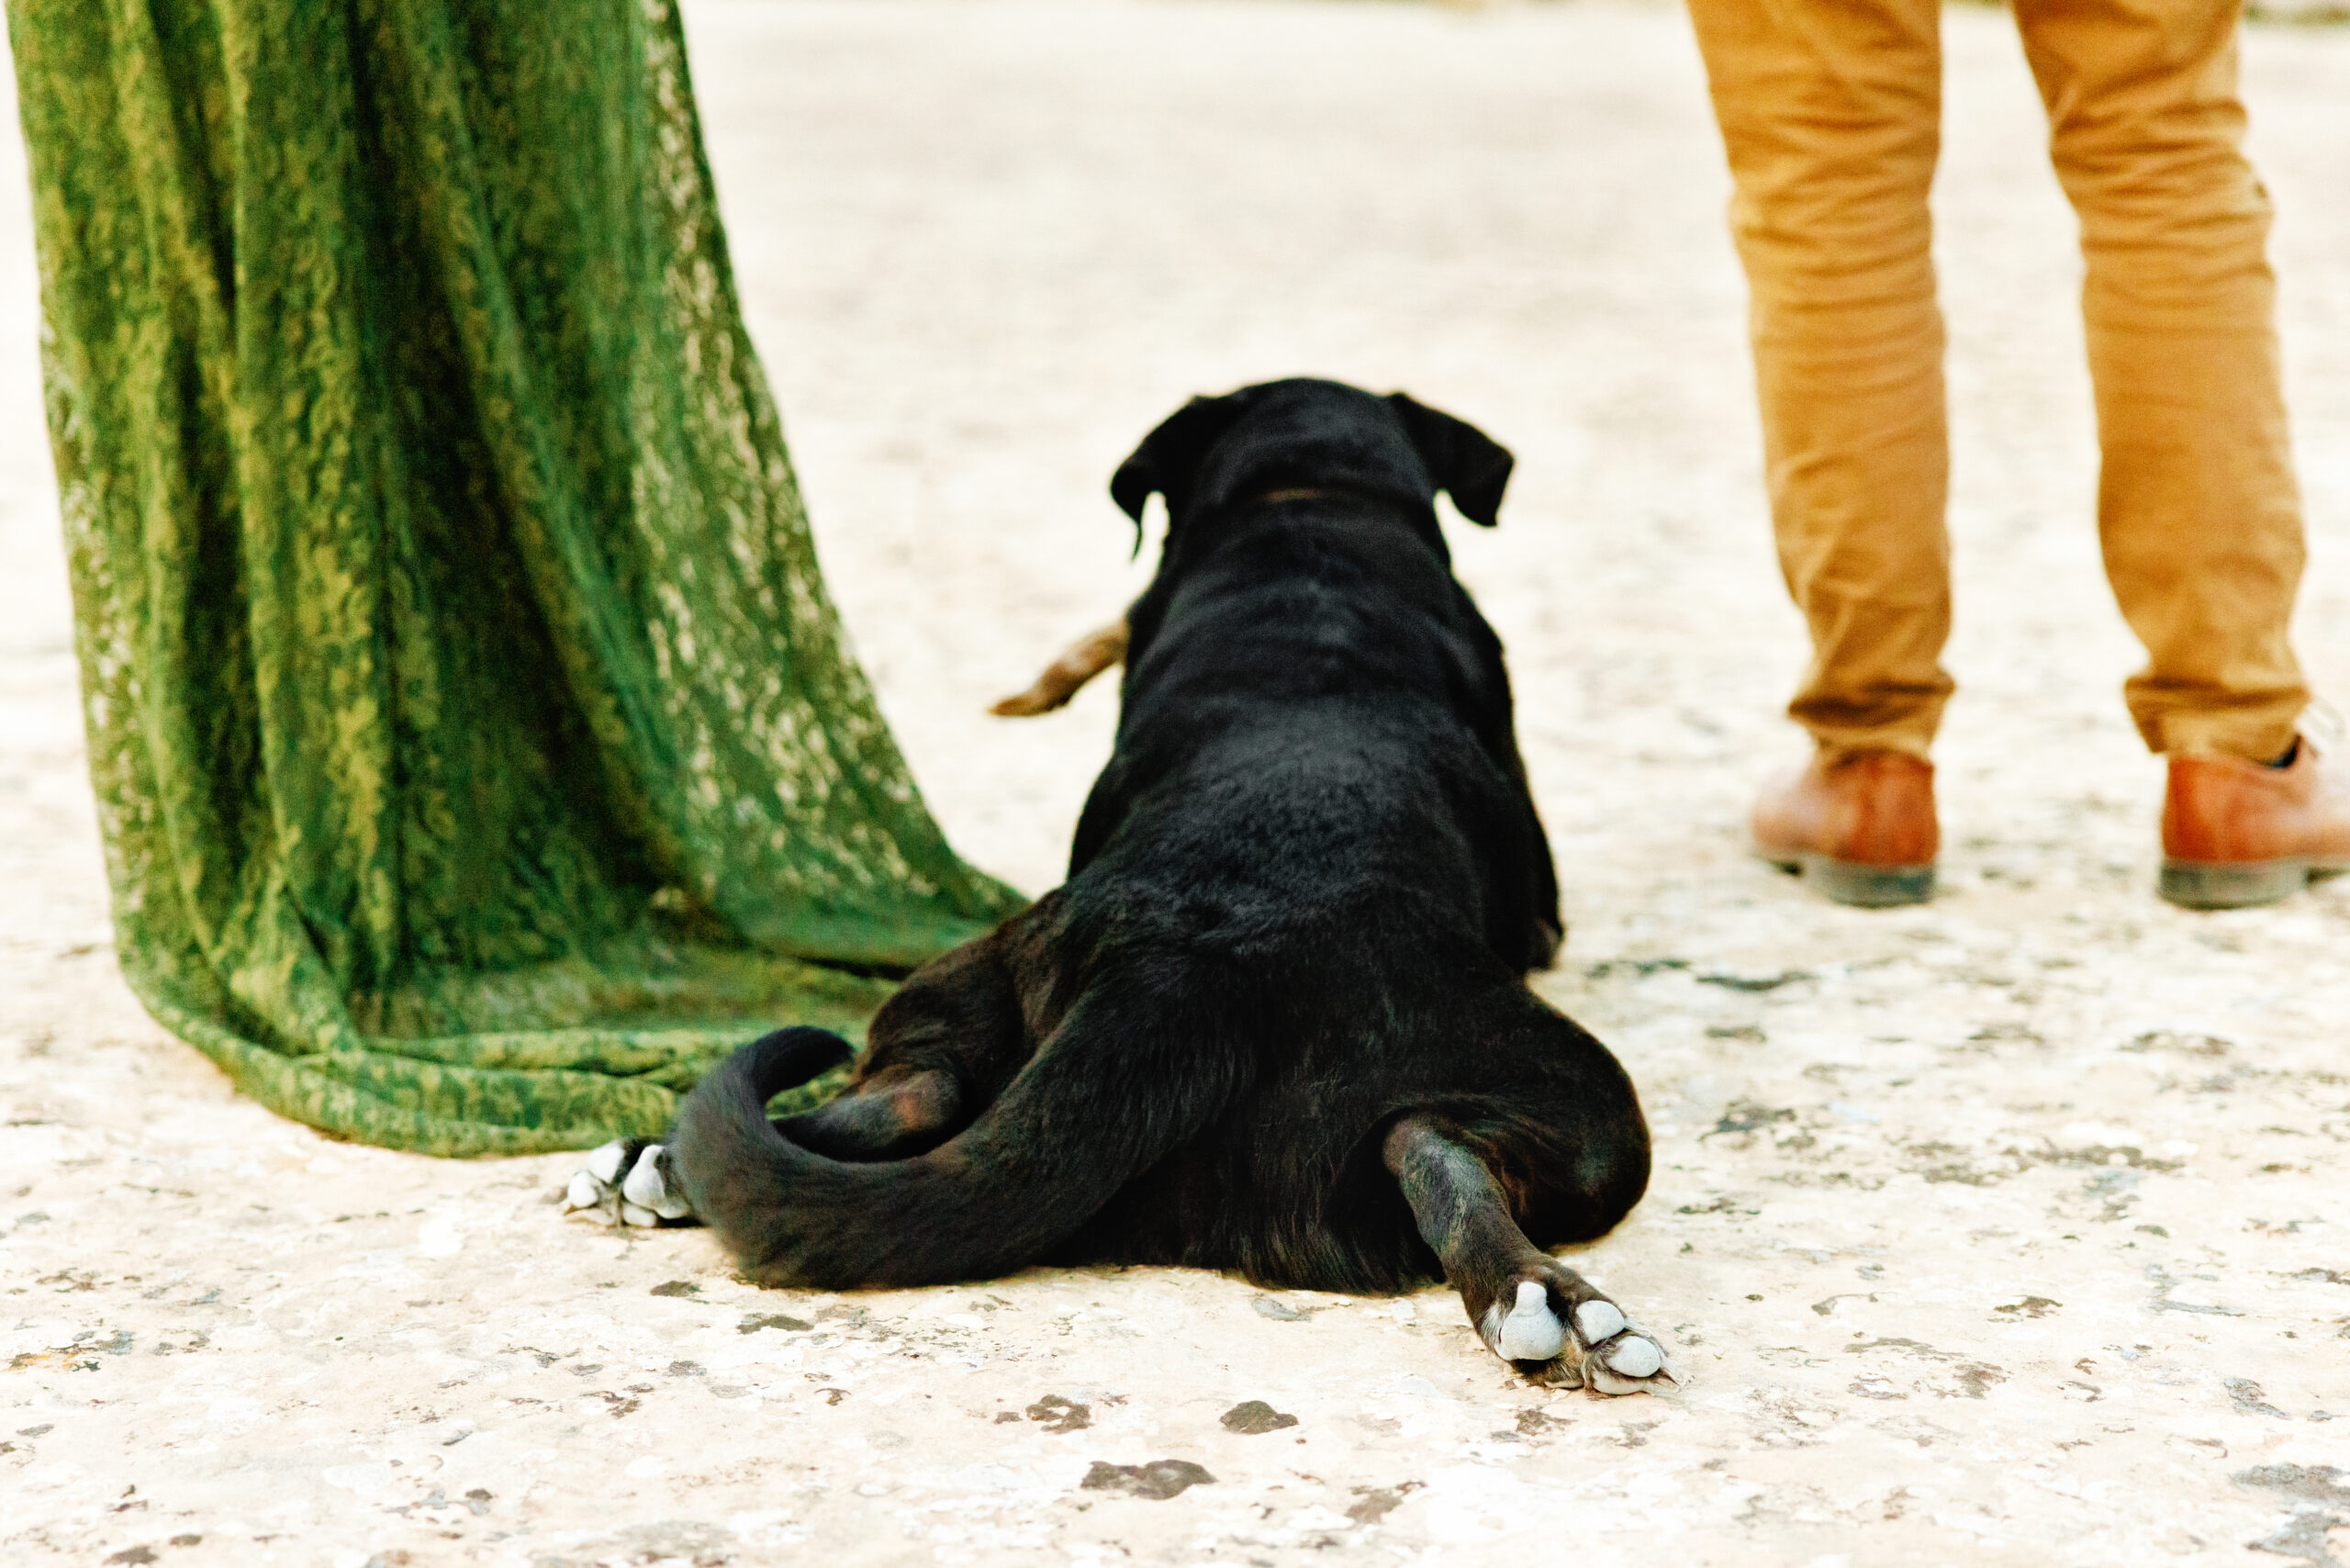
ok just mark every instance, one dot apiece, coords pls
pixel 1305 434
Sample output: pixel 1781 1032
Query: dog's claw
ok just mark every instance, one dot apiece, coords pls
pixel 1531 1332
pixel 648 1185
pixel 1627 1362
pixel 1635 1357
pixel 1597 1320
pixel 604 1163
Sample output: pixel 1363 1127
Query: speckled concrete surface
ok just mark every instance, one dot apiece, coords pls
pixel 2008 1230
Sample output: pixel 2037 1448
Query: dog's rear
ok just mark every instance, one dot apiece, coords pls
pixel 1275 1021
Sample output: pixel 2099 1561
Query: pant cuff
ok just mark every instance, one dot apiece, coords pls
pixel 2254 737
pixel 1837 743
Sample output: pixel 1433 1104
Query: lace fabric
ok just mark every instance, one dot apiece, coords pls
pixel 475 748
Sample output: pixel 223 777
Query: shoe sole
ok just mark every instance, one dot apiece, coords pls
pixel 1861 887
pixel 2208 884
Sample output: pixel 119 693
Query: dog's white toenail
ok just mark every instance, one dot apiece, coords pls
pixel 643 1186
pixel 605 1163
pixel 632 1215
pixel 584 1191
pixel 1530 1332
pixel 1598 1321
pixel 1635 1357
pixel 648 1187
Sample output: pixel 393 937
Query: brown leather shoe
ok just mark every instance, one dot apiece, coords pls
pixel 2238 833
pixel 1859 825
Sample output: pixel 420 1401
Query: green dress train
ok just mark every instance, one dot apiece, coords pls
pixel 475 748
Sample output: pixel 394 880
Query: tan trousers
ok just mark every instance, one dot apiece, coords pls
pixel 1830 113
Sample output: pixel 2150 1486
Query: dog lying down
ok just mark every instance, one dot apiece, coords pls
pixel 1276 1021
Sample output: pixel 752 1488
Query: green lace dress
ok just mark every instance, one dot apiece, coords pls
pixel 475 747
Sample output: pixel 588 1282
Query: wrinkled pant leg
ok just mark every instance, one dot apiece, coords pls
pixel 2197 506
pixel 1830 113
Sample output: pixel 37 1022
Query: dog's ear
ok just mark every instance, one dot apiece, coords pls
pixel 1466 464
pixel 1170 454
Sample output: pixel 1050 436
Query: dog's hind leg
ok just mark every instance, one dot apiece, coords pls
pixel 1529 1308
pixel 628 1181
pixel 881 1118
pixel 1135 1069
pixel 938 1051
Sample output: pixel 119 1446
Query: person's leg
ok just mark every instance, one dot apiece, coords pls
pixel 2197 506
pixel 1829 112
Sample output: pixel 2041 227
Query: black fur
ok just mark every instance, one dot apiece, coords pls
pixel 1301 904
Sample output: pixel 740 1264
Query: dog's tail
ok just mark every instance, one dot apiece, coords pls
pixel 1066 676
pixel 1112 1091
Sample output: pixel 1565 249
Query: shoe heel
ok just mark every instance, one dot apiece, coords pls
pixel 1869 886
pixel 2202 885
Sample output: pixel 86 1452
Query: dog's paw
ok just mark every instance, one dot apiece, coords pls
pixel 626 1182
pixel 1555 1328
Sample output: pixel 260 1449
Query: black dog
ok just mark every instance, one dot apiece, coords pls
pixel 1276 1020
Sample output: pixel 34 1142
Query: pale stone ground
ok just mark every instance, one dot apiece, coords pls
pixel 2004 1231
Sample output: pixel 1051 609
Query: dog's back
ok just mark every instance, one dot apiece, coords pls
pixel 1315 708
